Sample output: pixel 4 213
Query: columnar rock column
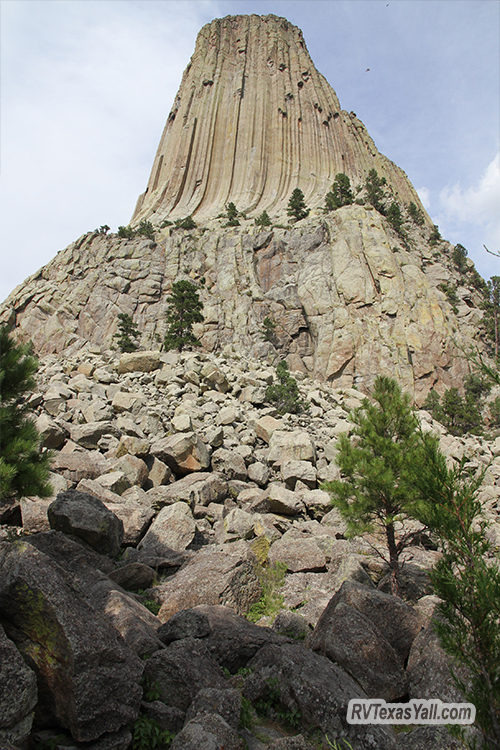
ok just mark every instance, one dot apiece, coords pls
pixel 253 119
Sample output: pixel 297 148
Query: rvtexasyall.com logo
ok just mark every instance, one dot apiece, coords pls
pixel 416 711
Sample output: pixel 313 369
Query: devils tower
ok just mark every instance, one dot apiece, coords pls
pixel 351 294
pixel 252 120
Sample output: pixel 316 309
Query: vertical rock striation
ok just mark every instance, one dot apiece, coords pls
pixel 252 120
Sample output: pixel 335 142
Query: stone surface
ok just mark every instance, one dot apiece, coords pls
pixel 208 731
pixel 88 677
pixel 87 517
pixel 172 529
pixel 211 578
pixel 19 693
pixel 183 453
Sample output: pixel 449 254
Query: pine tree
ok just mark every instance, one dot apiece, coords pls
pixel 232 215
pixel 24 470
pixel 184 309
pixel 269 330
pixel 296 205
pixel 127 332
pixel 285 394
pixel 377 487
pixel 416 214
pixel 341 193
pixel 466 579
pixel 264 220
pixel 374 193
pixel 395 218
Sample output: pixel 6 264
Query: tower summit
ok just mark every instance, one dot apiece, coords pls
pixel 252 120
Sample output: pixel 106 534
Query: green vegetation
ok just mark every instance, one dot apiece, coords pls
pixel 269 330
pixel 297 208
pixel 187 223
pixel 285 395
pixel 145 229
pixel 340 194
pixel 24 470
pixel 467 579
pixel 374 192
pixel 127 332
pixel 460 414
pixel 104 229
pixel 395 218
pixel 451 294
pixel 459 257
pixel 232 216
pixel 377 466
pixel 272 578
pixel 264 220
pixel 435 236
pixel 416 214
pixel 184 309
pixel 147 734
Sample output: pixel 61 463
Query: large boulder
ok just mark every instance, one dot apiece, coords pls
pixel 182 670
pixel 300 553
pixel 80 464
pixel 214 576
pixel 88 677
pixel 320 690
pixel 291 446
pixel 184 453
pixel 173 529
pixel 210 731
pixel 139 362
pixel 87 517
pixel 200 488
pixel 19 693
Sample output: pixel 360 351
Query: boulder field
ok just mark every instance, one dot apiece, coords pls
pixel 125 597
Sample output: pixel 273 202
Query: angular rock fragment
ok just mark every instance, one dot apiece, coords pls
pixel 87 517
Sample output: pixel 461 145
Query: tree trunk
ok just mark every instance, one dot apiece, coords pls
pixel 393 559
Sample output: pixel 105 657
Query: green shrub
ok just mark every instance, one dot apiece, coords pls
pixel 147 734
pixel 187 223
pixel 459 256
pixel 374 192
pixel 272 578
pixel 416 214
pixel 269 330
pixel 395 217
pixel 435 236
pixel 285 395
pixel 146 229
pixel 126 232
pixel 232 215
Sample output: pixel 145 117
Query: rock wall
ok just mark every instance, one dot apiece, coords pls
pixel 252 120
pixel 349 298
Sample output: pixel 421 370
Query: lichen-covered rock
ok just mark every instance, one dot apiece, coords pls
pixel 87 517
pixel 88 678
pixel 207 730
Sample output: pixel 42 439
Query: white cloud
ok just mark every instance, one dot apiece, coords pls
pixel 479 204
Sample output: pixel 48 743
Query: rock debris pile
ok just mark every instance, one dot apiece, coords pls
pixel 175 485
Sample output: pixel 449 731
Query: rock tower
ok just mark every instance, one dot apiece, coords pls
pixel 252 120
pixel 351 294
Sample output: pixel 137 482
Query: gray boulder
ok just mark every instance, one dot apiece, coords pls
pixel 173 529
pixel 88 677
pixel 225 703
pixel 210 732
pixel 182 670
pixel 188 623
pixel 87 517
pixel 184 453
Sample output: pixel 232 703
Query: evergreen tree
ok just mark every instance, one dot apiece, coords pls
pixel 184 309
pixel 187 223
pixel 341 193
pixel 416 214
pixel 146 229
pixel 285 394
pixel 232 215
pixel 24 470
pixel 375 194
pixel 395 218
pixel 459 256
pixel 269 329
pixel 467 580
pixel 263 220
pixel 127 332
pixel 297 208
pixel 377 488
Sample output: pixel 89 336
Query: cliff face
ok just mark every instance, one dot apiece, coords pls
pixel 349 299
pixel 252 120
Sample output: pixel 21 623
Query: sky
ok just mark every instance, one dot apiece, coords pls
pixel 87 86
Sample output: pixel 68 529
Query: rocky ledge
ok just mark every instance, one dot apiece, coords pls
pixel 123 598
